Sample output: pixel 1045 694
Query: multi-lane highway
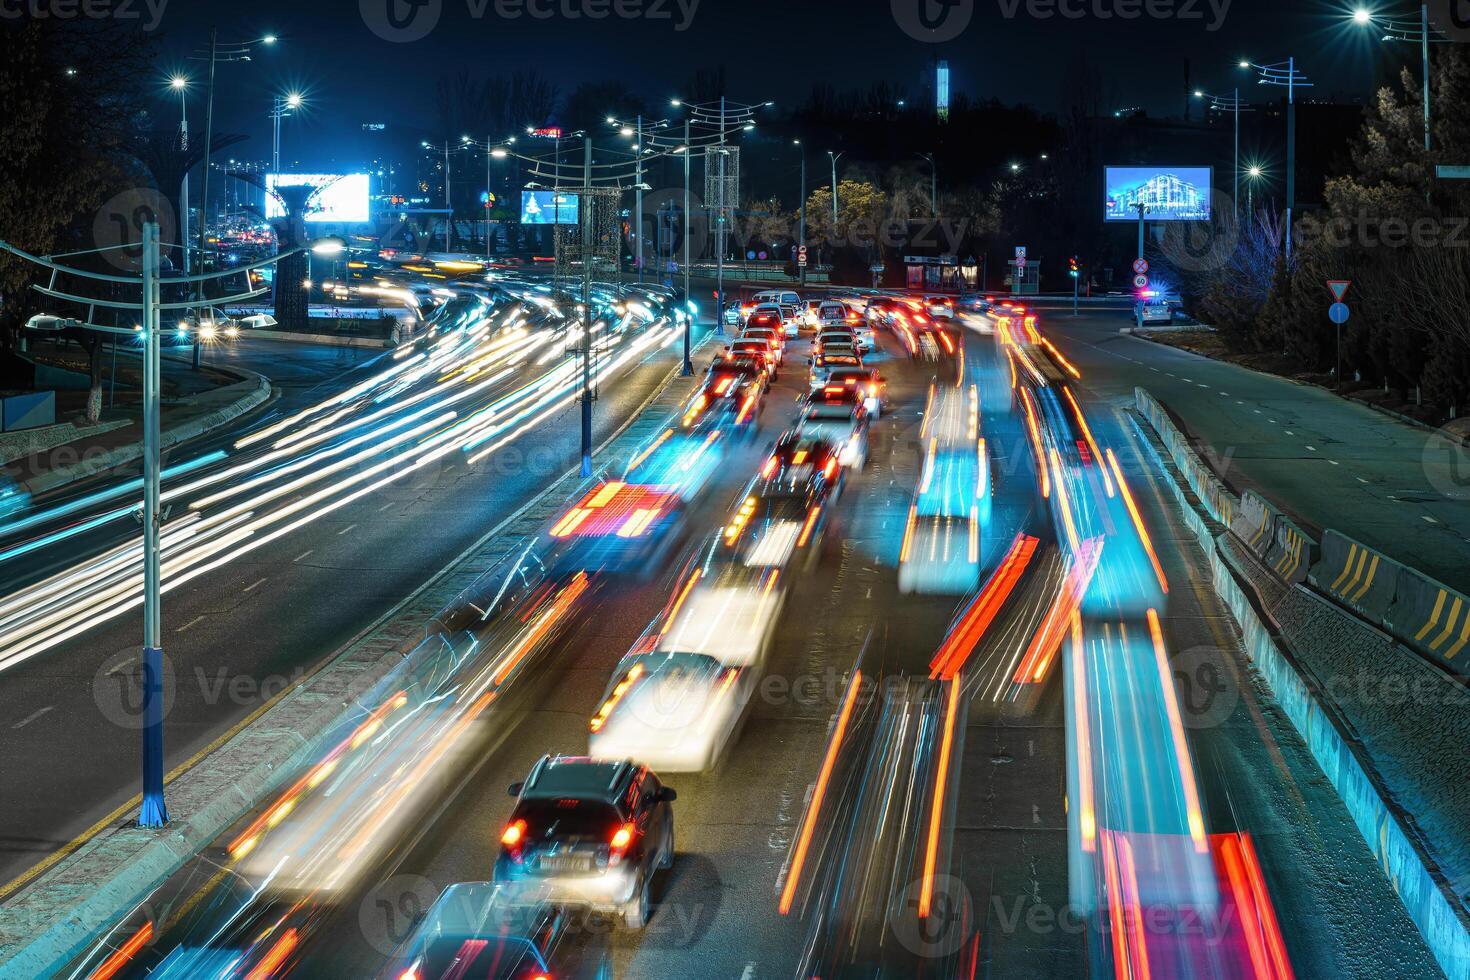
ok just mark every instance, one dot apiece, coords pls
pixel 285 538
pixel 1064 769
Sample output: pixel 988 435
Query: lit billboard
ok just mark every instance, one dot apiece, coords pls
pixel 1168 193
pixel 341 198
pixel 548 208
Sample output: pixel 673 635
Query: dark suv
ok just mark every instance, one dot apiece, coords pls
pixel 587 832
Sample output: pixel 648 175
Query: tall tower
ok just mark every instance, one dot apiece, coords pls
pixel 941 90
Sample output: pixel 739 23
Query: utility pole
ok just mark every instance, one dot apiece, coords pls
pixel 638 202
pixel 1424 48
pixel 1290 149
pixel 720 229
pixel 688 228
pixel 448 205
pixel 588 228
pixel 801 232
pixel 834 158
pixel 489 142
pixel 154 812
pixel 204 186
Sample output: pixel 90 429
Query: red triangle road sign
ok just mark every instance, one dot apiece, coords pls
pixel 1339 288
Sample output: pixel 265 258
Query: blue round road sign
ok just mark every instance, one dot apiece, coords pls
pixel 1338 313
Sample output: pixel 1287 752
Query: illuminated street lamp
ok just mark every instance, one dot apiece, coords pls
pixel 1405 30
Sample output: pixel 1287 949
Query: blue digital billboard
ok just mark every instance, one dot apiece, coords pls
pixel 1168 193
pixel 548 208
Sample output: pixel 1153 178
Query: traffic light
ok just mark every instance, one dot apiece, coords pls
pixel 1072 263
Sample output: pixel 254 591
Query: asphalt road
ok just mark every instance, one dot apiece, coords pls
pixel 716 912
pixel 240 633
pixel 1326 461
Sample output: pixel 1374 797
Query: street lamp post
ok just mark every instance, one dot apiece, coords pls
pixel 834 157
pixel 1404 30
pixel 239 51
pixel 688 228
pixel 801 227
pixel 1285 74
pixel 933 183
pixel 1235 105
pixel 150 307
pixel 281 107
pixel 180 84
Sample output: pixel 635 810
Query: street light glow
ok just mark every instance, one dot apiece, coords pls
pixel 269 39
pixel 1243 64
pixel 294 100
pixel 626 131
pixel 1362 16
pixel 499 153
pixel 676 102
pixel 179 83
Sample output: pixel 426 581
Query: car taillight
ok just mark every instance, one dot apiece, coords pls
pixel 622 839
pixel 513 835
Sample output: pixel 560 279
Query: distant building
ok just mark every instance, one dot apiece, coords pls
pixel 941 90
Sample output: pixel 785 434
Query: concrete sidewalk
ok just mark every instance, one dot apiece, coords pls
pixel 1327 462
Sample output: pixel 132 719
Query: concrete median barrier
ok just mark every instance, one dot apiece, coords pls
pixel 1355 576
pixel 1293 552
pixel 1431 619
pixel 1255 523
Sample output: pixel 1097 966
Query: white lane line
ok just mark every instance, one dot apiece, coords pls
pixel 303 555
pixel 1290 433
pixel 30 717
pixel 1312 449
pixel 255 585
pixel 193 622
pixel 1256 410
pixel 1334 462
pixel 386 506
pixel 346 529
pixel 1360 479
pixel 1428 518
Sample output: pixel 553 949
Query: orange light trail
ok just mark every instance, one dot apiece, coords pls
pixel 123 954
pixel 1176 728
pixel 1086 815
pixel 1064 504
pixel 808 826
pixel 314 776
pixel 936 812
pixel 1087 434
pixel 637 460
pixel 1035 433
pixel 1066 364
pixel 960 642
pixel 274 959
pixel 549 618
pixel 1138 946
pixel 806 530
pixel 1148 544
pixel 1265 911
pixel 1048 639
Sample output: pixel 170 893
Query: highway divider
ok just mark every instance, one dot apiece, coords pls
pixel 1356 577
pixel 55 918
pixel 1255 523
pixel 1430 618
pixel 1388 831
pixel 1219 500
pixel 1292 552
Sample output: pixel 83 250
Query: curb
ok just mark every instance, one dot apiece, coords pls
pixel 326 340
pixel 253 394
pixel 1388 831
pixel 89 890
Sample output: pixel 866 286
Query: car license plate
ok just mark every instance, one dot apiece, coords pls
pixel 566 862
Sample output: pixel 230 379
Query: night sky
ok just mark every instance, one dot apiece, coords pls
pixel 772 49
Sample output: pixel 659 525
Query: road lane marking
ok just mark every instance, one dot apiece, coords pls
pixel 255 585
pixel 30 718
pixel 386 506
pixel 1312 448
pixel 303 555
pixel 1360 479
pixel 1334 462
pixel 346 529
pixel 193 622
pixel 1426 517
